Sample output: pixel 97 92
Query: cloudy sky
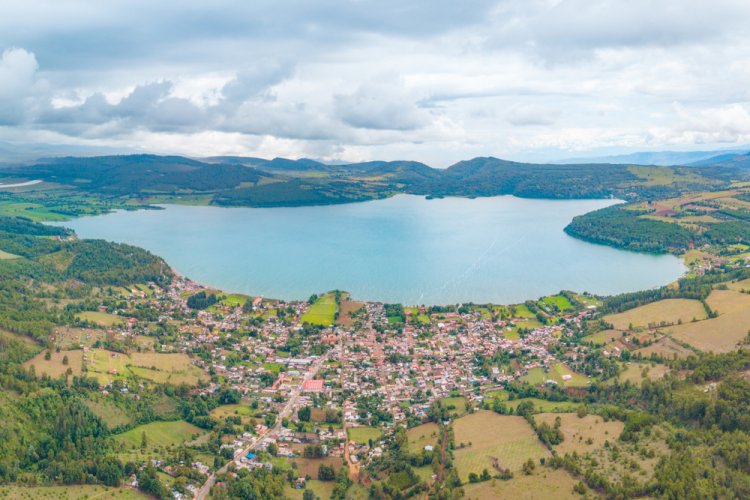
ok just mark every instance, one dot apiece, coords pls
pixel 431 80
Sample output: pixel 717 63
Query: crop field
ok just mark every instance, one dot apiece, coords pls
pixel 322 312
pixel 721 334
pixel 668 311
pixel 72 492
pixel 739 286
pixel 421 436
pixel 582 434
pixel 638 372
pixel 310 466
pixel 543 484
pixel 728 301
pixel 54 367
pixel 172 368
pixel 490 438
pixel 160 434
pixel 100 318
pixel 348 307
pixel 362 435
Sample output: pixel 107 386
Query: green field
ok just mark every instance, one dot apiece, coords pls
pixel 160 434
pixel 560 301
pixel 321 489
pixel 322 312
pixel 362 435
pixel 456 405
pixel 421 436
pixel 172 368
pixel 543 405
pixel 489 439
pixel 537 376
pixel 100 318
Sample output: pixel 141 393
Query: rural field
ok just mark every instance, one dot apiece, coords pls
pixel 172 368
pixel 160 434
pixel 321 489
pixel 634 372
pixel 55 366
pixel 310 466
pixel 666 348
pixel 421 436
pixel 668 311
pixel 362 435
pixel 490 439
pixel 76 492
pixel 582 434
pixel 721 334
pixel 100 318
pixel 543 484
pixel 322 312
pixel 556 373
pixel 110 414
pixel 542 405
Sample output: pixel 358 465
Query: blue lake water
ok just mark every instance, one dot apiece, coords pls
pixel 404 249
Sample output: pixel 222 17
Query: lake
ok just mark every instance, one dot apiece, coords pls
pixel 404 249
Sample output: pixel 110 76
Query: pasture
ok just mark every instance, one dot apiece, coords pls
pixel 560 301
pixel 55 366
pixel 171 368
pixel 666 348
pixel 421 436
pixel 362 435
pixel 582 434
pixel 8 256
pixel 160 434
pixel 456 406
pixel 543 484
pixel 728 301
pixel 603 337
pixel 490 439
pixel 112 415
pixel 322 312
pixel 638 372
pixel 667 311
pixel 721 334
pixel 559 373
pixel 542 405
pixel 321 489
pixel 72 492
pixel 100 318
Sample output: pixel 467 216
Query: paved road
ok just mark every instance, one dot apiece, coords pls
pixel 284 413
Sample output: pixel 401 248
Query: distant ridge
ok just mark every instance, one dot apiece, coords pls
pixel 662 158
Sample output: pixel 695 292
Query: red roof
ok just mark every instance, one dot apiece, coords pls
pixel 312 385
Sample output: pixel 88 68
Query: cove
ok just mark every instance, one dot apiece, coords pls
pixel 403 249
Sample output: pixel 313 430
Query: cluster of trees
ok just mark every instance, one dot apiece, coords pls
pixel 201 300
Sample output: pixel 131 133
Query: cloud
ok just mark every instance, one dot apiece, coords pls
pixel 531 114
pixel 381 107
pixel 432 81
pixel 17 77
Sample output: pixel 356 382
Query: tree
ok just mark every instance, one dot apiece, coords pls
pixel 304 414
pixel 326 473
pixel 528 467
pixel 144 441
pixel 65 359
pixel 308 495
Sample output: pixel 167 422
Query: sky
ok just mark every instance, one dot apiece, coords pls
pixel 436 81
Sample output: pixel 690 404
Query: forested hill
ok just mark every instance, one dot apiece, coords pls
pixel 241 181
